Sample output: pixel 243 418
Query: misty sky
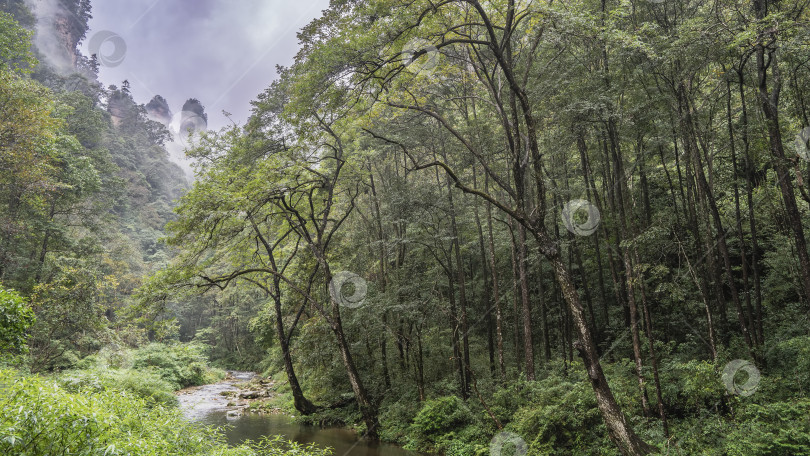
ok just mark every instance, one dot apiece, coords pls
pixel 222 52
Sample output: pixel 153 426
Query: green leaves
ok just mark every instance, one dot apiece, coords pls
pixel 16 316
pixel 15 46
pixel 40 418
pixel 70 314
pixel 441 415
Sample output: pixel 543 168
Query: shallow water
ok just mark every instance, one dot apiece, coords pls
pixel 343 441
pixel 207 405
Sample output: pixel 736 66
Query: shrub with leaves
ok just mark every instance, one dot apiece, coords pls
pixel 145 384
pixel 40 418
pixel 183 365
pixel 773 429
pixel 560 419
pixel 441 415
pixel 16 317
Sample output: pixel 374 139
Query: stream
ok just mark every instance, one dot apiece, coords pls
pixel 207 405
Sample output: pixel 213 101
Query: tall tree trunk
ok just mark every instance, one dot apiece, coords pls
pixel 383 278
pixel 769 97
pixel 486 296
pixel 420 371
pixel 653 358
pixel 749 186
pixel 301 403
pixel 367 407
pixel 384 350
pixel 619 429
pixel 542 303
pixel 462 292
pixel 705 192
pixel 590 193
pixel 515 298
pixel 43 253
pixel 457 356
pixel 528 340
pixel 496 297
pixel 738 216
pixel 622 202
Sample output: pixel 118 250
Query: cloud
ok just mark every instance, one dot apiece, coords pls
pixel 57 31
pixel 221 52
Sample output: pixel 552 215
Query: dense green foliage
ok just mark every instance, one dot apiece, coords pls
pixel 16 317
pixel 155 370
pixel 85 190
pixel 524 190
pixel 42 418
pixel 15 51
pixel 181 365
pixel 86 187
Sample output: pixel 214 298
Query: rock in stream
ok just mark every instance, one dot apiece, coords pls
pixel 198 401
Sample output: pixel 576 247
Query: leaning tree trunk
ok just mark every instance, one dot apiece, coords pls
pixel 367 407
pixel 620 431
pixel 301 403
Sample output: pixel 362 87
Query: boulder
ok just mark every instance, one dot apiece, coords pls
pixel 251 394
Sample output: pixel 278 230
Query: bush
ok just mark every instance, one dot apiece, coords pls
pixel 441 415
pixel 791 361
pixel 182 365
pixel 41 418
pixel 153 372
pixel 692 386
pixel 145 384
pixel 561 419
pixel 395 418
pixel 775 429
pixel 446 425
pixel 16 316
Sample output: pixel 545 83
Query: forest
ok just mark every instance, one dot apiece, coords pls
pixel 495 227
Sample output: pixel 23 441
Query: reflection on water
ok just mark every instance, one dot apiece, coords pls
pixel 343 441
pixel 208 405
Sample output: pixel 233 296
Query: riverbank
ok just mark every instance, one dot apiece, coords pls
pixel 49 414
pixel 244 406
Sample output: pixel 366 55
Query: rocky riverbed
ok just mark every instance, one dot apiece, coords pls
pixel 237 394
